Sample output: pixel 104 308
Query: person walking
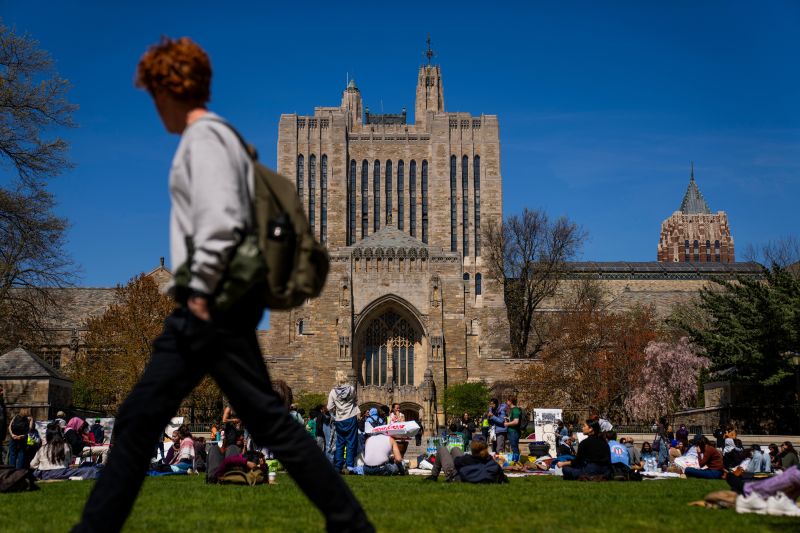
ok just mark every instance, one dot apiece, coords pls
pixel 343 406
pixel 211 179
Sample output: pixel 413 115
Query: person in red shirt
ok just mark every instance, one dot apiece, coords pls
pixel 711 459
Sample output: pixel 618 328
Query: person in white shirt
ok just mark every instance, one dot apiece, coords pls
pixel 382 456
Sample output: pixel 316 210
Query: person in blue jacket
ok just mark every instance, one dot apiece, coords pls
pixel 498 417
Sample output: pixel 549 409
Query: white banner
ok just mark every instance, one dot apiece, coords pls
pixel 544 421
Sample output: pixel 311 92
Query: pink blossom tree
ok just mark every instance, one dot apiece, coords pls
pixel 669 380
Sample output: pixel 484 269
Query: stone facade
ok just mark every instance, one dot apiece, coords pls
pixel 694 234
pixel 400 207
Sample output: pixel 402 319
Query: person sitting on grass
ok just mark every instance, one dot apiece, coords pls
pixel 186 454
pixel 54 457
pixel 788 456
pixel 634 454
pixel 475 467
pixel 619 453
pixel 593 459
pixel 382 456
pixel 710 461
pixel 647 453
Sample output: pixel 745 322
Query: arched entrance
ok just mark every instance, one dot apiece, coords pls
pixel 390 347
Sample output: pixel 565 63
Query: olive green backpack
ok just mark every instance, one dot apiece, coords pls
pixel 280 250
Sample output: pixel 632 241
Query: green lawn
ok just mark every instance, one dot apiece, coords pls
pixel 526 504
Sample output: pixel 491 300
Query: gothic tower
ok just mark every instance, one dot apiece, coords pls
pixel 693 233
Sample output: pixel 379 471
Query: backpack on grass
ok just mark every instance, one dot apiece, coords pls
pixel 240 477
pixel 16 479
pixel 279 252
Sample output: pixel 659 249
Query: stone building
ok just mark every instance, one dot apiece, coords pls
pixel 694 234
pixel 31 385
pixel 400 207
pixel 407 309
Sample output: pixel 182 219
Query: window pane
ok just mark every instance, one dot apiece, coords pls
pixel 424 201
pixel 465 204
pixel 402 364
pixel 388 192
pixel 453 237
pixel 300 171
pixel 312 183
pixel 376 197
pixel 383 365
pixel 478 288
pixel 412 199
pixel 368 367
pixel 411 365
pixel 323 199
pixel 351 191
pixel 400 197
pixel 476 171
pixel 364 199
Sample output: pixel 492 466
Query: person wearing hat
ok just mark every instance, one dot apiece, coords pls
pixel 372 420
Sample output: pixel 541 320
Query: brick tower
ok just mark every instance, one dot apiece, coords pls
pixel 694 234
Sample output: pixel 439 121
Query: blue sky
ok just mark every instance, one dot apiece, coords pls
pixel 602 105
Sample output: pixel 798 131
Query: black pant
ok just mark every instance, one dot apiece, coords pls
pixel 183 354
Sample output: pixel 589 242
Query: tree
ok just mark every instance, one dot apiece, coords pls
pixel 593 358
pixel 751 326
pixel 32 257
pixel 472 398
pixel 669 380
pixel 527 254
pixel 309 400
pixel 32 100
pixel 119 348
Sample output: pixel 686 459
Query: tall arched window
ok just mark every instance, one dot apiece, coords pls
pixel 300 171
pixel 312 183
pixel 453 229
pixel 687 255
pixel 478 283
pixel 465 204
pixel 323 200
pixel 425 201
pixel 351 203
pixel 400 195
pixel 388 192
pixel 696 251
pixel 466 282
pixel 364 199
pixel 716 251
pixel 708 251
pixel 376 196
pixel 476 173
pixel 412 198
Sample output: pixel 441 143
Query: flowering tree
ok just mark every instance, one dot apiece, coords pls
pixel 668 381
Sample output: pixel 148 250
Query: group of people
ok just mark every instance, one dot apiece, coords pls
pixel 67 449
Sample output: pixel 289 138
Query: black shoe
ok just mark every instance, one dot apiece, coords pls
pixel 430 478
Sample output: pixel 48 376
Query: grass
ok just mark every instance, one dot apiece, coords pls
pixel 400 504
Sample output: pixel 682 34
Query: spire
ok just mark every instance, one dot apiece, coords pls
pixel 429 53
pixel 693 202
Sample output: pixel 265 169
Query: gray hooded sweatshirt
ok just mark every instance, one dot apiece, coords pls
pixel 342 402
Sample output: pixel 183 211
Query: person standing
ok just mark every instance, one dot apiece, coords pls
pixel 397 415
pixel 98 431
pixel 497 417
pixel 18 430
pixel 211 179
pixel 512 425
pixel 343 406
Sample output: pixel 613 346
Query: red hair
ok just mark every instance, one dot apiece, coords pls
pixel 180 66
